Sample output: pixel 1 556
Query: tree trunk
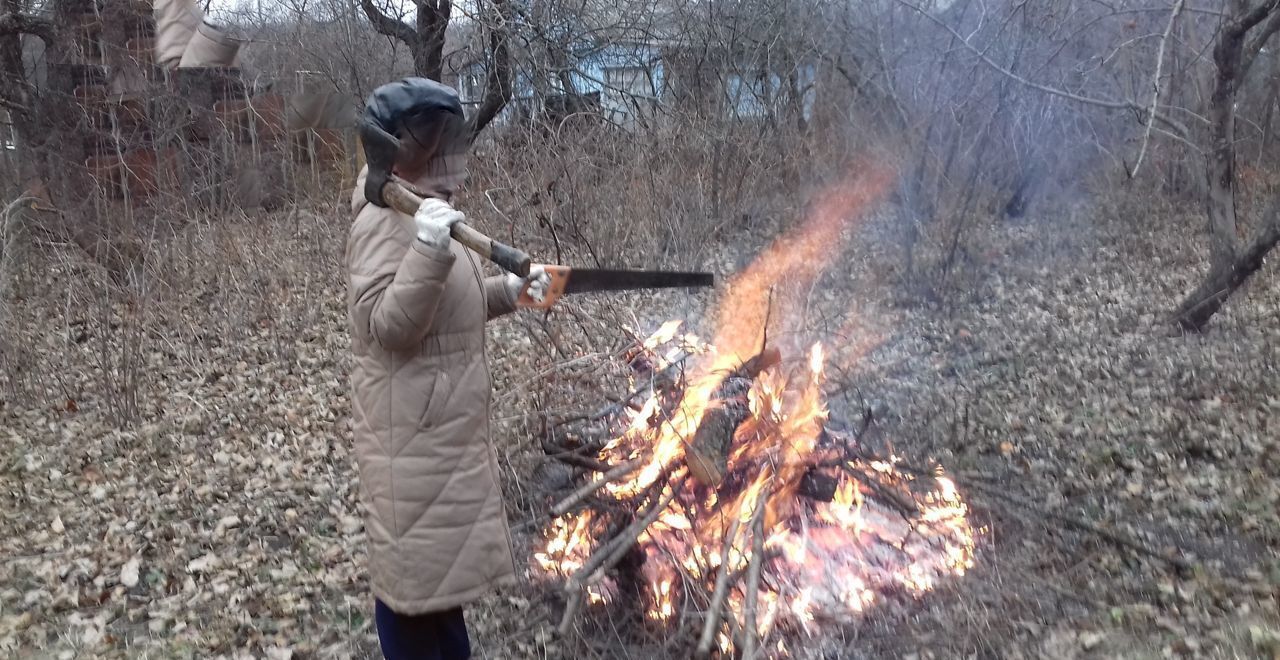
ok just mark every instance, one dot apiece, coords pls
pixel 1223 280
pixel 1228 267
pixel 426 39
pixel 428 49
pixel 498 84
pixel 1272 97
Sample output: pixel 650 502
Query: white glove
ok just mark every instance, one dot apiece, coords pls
pixel 435 219
pixel 537 283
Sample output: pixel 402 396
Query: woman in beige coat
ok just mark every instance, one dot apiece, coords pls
pixel 417 304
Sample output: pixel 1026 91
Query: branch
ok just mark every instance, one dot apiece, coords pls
pixel 1255 45
pixel 712 624
pixel 497 86
pixel 1253 17
pixel 15 23
pixel 388 26
pixel 1155 86
pixel 1053 91
pixel 1105 103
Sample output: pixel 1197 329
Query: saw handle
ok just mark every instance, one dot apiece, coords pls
pixel 559 278
pixel 511 259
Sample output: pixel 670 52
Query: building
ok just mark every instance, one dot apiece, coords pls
pixel 164 107
pixel 629 81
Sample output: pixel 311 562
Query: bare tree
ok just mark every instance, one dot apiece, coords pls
pixel 1244 34
pixel 18 94
pixel 425 39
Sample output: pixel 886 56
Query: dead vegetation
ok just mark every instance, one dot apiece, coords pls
pixel 223 518
pixel 175 469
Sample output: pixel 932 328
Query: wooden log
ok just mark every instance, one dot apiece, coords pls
pixel 708 453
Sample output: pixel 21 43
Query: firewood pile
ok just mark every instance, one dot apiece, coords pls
pixel 718 497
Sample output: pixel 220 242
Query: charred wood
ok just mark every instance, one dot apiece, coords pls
pixel 708 452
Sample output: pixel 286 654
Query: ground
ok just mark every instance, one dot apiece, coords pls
pixel 177 479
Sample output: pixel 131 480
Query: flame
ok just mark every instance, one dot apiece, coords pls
pixel 831 558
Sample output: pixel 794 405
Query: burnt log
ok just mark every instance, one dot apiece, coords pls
pixel 818 486
pixel 708 452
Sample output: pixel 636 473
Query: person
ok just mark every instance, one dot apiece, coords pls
pixel 417 304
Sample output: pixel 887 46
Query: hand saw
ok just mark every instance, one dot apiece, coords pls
pixel 565 280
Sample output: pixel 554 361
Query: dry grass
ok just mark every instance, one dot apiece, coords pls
pixel 194 418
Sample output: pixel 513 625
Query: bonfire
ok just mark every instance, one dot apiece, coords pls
pixel 720 495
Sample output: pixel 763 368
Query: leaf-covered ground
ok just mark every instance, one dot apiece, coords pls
pixel 221 520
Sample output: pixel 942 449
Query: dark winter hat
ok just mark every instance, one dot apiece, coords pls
pixel 409 101
pixel 421 110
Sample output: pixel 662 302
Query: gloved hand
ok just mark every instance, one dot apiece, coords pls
pixel 435 218
pixel 537 283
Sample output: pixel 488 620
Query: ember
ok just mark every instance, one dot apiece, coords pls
pixel 729 497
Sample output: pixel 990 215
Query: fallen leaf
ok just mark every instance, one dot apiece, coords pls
pixel 203 564
pixel 129 573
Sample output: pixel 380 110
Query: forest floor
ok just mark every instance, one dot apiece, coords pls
pixel 221 519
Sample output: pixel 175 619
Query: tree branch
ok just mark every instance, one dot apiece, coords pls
pixel 1253 17
pixel 1254 46
pixel 498 79
pixel 1155 86
pixel 388 26
pixel 15 23
pixel 1053 91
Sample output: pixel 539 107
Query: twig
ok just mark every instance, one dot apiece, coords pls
pixel 570 610
pixel 604 558
pixel 1081 525
pixel 907 509
pixel 582 493
pixel 750 633
pixel 624 401
pixel 572 457
pixel 1155 86
pixel 721 592
pixel 624 541
pixel 1078 524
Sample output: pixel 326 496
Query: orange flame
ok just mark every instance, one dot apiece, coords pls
pixel 827 557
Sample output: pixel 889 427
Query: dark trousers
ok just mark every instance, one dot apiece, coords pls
pixel 430 636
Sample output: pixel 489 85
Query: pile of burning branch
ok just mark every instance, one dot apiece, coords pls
pixel 715 495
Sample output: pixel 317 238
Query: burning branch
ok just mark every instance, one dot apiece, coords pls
pixel 730 488
pixel 722 591
pixel 562 507
pixel 753 581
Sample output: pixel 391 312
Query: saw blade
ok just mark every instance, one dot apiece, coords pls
pixel 583 280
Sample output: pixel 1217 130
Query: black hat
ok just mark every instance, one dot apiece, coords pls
pixel 396 104
pixel 413 106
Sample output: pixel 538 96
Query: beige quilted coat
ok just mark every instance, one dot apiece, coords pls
pixel 437 530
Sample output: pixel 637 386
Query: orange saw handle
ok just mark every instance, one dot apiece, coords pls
pixel 559 279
